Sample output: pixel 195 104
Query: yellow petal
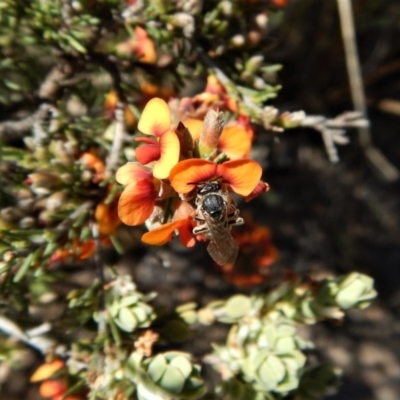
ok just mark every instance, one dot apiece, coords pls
pixel 156 118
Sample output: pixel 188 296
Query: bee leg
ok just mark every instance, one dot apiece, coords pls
pixel 200 229
pixel 236 221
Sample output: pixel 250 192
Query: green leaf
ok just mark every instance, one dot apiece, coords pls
pixel 157 368
pixel 172 380
pixel 271 372
pixel 183 365
pixel 23 269
pixel 238 306
pixel 126 320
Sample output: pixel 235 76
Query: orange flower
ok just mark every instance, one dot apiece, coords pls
pixel 164 149
pixel 110 104
pixel 214 87
pixel 142 46
pixel 182 221
pixel 47 370
pixel 107 217
pixel 137 200
pixel 90 160
pixel 81 251
pixel 241 175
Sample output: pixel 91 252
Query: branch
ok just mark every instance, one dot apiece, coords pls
pixel 377 159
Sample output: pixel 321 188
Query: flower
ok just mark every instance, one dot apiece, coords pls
pixel 164 149
pixel 107 217
pixel 110 104
pixel 137 200
pixel 241 175
pixel 90 160
pixel 141 45
pixel 160 190
pixel 51 386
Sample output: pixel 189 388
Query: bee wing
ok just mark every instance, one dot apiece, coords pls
pixel 223 256
pixel 222 247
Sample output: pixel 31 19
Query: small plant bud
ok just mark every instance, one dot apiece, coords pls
pixel 66 177
pixel 27 223
pixel 10 214
pixel 8 256
pixel 55 201
pixel 254 63
pixel 262 20
pixel 86 176
pixel 212 129
pixel 269 115
pixel 226 8
pixel 238 40
pixel 185 22
pixel 258 83
pixel 253 38
pixel 291 120
pixel 42 179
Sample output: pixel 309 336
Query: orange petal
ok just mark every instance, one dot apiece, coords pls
pixel 47 370
pixel 187 173
pixel 235 142
pixel 242 175
pixel 194 126
pixel 169 148
pixel 156 118
pixel 131 172
pixel 52 387
pixel 137 202
pixel 163 234
pixel 148 153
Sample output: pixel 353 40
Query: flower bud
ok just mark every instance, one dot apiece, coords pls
pixel 262 20
pixel 212 129
pixel 237 40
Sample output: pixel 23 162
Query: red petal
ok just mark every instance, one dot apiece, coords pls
pixel 186 235
pixel 148 153
pixel 261 187
pixel 242 175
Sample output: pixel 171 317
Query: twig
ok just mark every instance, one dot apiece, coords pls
pixel 67 222
pixel 48 92
pixel 377 159
pixel 118 140
pixel 101 327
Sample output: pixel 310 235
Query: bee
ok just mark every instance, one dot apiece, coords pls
pixel 215 215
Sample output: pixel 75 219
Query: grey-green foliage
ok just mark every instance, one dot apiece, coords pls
pixel 166 375
pixel 264 355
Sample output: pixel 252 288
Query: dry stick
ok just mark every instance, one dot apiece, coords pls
pixel 47 93
pixel 378 160
pixel 101 327
pixel 118 140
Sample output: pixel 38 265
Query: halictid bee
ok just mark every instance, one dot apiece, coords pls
pixel 215 215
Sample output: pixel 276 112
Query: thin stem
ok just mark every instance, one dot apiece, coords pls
pixel 376 158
